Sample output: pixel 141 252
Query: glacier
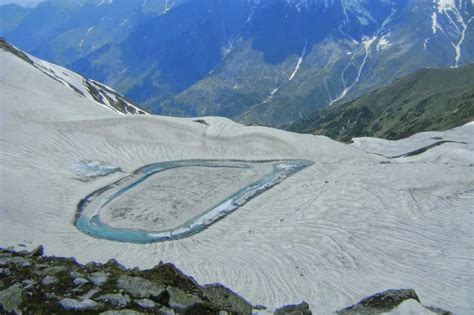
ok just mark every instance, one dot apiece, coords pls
pixel 353 223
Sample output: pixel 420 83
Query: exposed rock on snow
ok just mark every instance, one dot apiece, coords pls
pixel 299 309
pixel 380 302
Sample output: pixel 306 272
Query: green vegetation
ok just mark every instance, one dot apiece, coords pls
pixel 429 99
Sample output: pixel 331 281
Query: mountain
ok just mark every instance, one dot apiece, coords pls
pixel 266 62
pixel 429 99
pixel 90 89
pixel 277 216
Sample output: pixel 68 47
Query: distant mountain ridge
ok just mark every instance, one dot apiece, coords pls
pixel 266 62
pixel 429 99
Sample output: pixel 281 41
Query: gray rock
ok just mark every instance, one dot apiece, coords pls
pixel 259 307
pixel 80 281
pixel 5 271
pixel 199 308
pixel 165 311
pixel 438 311
pixel 90 294
pixel 145 303
pixel 49 280
pixel 180 300
pixel 115 299
pixel 12 298
pixel 226 299
pixel 296 309
pixel 19 261
pixel 139 287
pixel 380 302
pixel 38 251
pixel 121 312
pixel 28 284
pixel 76 305
pixel 114 263
pixel 98 278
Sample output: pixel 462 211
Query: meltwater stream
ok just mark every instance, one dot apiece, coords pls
pixel 88 211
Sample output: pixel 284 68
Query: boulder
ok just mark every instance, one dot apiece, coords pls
pixel 226 299
pixel 294 309
pixel 165 311
pixel 139 287
pixel 11 299
pixel 380 302
pixel 77 305
pixel 38 251
pixel 49 280
pixel 80 281
pixel 98 278
pixel 20 262
pixel 200 308
pixel 180 300
pixel 115 299
pixel 145 303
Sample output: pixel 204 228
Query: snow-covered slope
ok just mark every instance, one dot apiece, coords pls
pixel 90 89
pixel 352 224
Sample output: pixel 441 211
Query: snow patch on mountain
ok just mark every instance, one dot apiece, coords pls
pixel 444 5
pixel 456 20
pixel 105 2
pixel 357 8
pixel 434 23
pixel 298 64
pixel 383 42
pixel 366 44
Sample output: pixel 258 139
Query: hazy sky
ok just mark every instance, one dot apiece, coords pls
pixel 26 3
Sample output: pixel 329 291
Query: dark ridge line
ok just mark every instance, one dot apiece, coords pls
pixel 425 148
pixel 5 45
pixel 420 150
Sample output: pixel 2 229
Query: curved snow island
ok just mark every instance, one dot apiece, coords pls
pixel 176 199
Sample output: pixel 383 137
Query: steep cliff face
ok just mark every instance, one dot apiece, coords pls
pixel 265 62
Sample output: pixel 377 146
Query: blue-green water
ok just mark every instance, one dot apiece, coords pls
pixel 92 225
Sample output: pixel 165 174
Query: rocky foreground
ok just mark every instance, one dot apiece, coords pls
pixel 31 283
